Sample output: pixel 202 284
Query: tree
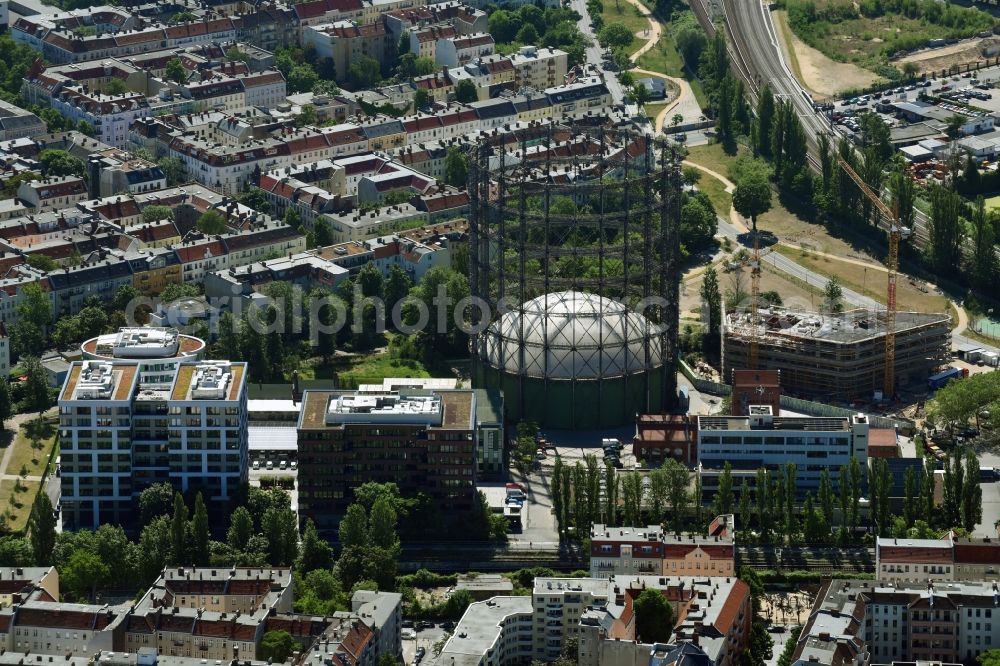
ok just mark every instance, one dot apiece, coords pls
pixel 354 527
pixel 456 167
pixel 178 531
pixel 37 396
pixel 879 487
pixel 654 617
pixel 6 401
pixel 156 500
pixel 173 169
pixel 364 73
pixel 761 644
pixel 691 43
pixel 315 553
pixel 504 26
pixel 61 163
pixel 789 652
pixel 610 494
pixel 972 494
pixel 910 70
pixel 640 94
pixel 833 295
pixel 765 120
pixel 752 196
pixel 83 573
pixel 528 34
pixel 723 503
pixel 200 532
pixel 382 531
pixel 982 263
pixel 212 222
pixel 42 529
pixel 678 493
pixel 555 485
pixel 631 500
pixel 911 498
pixel 302 78
pixel 944 251
pixel 421 99
pixel 276 646
pixel 175 71
pixel 34 314
pixel 278 527
pixel 466 92
pixel 240 529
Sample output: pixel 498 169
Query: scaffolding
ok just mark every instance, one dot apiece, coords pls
pixel 838 356
pixel 576 210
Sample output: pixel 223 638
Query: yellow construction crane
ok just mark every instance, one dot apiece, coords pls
pixel 892 266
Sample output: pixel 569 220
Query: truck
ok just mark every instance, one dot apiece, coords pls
pixel 945 376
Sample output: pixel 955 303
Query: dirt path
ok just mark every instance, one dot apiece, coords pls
pixel 819 74
pixel 654 31
pixel 735 218
pixel 685 95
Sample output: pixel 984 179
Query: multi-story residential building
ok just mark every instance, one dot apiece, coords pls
pixel 950 558
pixel 15 122
pixel 457 50
pixel 422 441
pixel 52 193
pixel 539 67
pixel 713 613
pixel 118 436
pixel 764 440
pixel 876 622
pixel 226 590
pixel 16 583
pixel 616 551
pixel 158 351
pixel 345 42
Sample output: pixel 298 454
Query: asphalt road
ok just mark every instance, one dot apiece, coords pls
pixel 594 53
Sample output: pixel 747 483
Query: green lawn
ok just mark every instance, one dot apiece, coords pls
pixel 993 203
pixel 350 371
pixel 16 514
pixel 34 460
pixel 620 11
pixel 871 283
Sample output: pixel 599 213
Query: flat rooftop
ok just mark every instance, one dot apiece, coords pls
pixel 845 328
pixel 100 380
pixel 218 380
pixel 143 343
pixel 805 423
pixel 479 629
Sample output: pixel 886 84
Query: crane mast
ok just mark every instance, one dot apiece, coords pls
pixel 892 267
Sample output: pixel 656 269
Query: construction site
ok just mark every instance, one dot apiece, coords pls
pixel 835 357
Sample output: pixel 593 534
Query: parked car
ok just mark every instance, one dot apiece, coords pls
pixel 407 624
pixel 283 464
pixel 269 464
pixel 293 465
pixel 449 625
pixel 256 464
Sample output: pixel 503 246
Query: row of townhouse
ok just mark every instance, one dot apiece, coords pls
pixel 111 259
pixel 78 93
pixel 855 622
pixel 212 160
pixel 712 614
pixel 187 617
pixel 114 32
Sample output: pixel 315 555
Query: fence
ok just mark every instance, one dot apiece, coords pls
pixel 792 404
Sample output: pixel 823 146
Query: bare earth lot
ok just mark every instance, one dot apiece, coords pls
pixel 820 74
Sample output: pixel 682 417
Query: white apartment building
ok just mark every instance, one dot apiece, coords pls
pixel 764 440
pixel 877 622
pixel 119 436
pixel 539 67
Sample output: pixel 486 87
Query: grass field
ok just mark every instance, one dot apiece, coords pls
pixel 653 110
pixel 619 11
pixel 17 513
pixel 34 460
pixel 665 58
pixel 871 282
pixel 993 203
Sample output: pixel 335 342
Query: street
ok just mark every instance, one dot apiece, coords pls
pixel 426 638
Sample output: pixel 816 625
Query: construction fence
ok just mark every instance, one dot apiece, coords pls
pixel 788 402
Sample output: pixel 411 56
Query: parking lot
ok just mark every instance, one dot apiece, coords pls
pixel 974 89
pixel 424 638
